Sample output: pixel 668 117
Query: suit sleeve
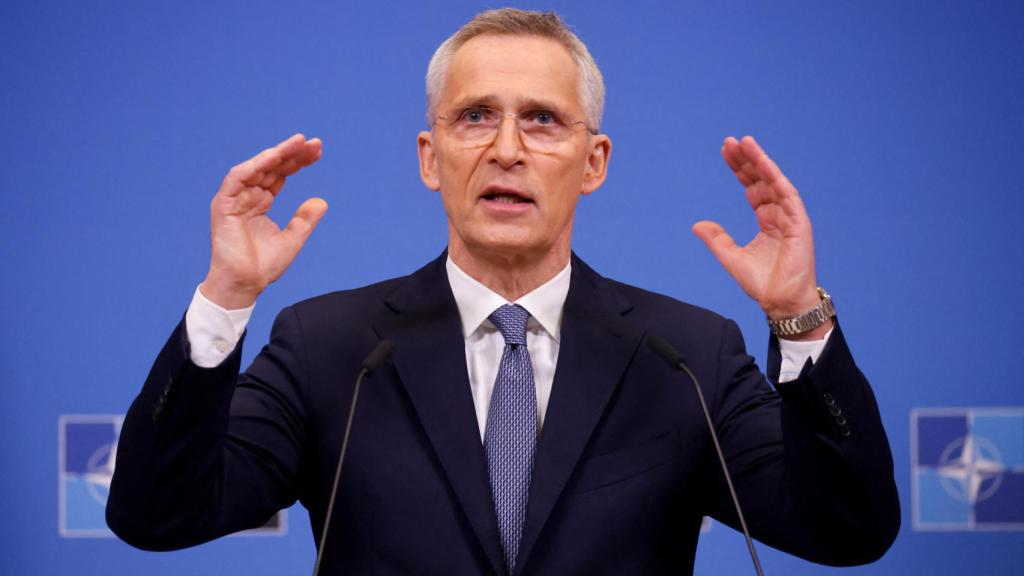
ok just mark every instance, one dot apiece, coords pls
pixel 205 452
pixel 810 460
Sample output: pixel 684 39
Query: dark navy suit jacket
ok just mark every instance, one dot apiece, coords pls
pixel 624 467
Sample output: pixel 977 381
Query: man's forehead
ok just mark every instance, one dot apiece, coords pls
pixel 516 68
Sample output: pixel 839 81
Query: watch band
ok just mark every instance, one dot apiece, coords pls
pixel 807 321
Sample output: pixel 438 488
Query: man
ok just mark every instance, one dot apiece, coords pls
pixel 520 426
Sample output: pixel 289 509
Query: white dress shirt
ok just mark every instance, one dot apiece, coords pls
pixel 213 332
pixel 485 344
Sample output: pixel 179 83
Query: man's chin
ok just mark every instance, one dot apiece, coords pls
pixel 506 246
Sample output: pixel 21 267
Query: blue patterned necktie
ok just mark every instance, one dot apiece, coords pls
pixel 511 434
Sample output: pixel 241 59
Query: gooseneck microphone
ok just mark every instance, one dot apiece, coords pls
pixel 376 357
pixel 674 359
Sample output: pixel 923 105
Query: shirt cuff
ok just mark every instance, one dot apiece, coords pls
pixel 213 332
pixel 795 354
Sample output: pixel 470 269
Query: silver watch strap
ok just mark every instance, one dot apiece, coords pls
pixel 807 321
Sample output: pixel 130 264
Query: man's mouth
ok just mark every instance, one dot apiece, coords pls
pixel 504 196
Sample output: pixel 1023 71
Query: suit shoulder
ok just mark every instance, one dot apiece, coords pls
pixel 664 308
pixel 352 297
pixel 335 310
pixel 697 332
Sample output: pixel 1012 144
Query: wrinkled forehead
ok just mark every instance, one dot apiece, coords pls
pixel 508 72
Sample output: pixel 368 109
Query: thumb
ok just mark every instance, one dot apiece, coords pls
pixel 718 241
pixel 306 217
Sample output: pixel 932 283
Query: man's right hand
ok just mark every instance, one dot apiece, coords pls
pixel 249 250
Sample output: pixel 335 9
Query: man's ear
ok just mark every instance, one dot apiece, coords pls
pixel 597 163
pixel 428 161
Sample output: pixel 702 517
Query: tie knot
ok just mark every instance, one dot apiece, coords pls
pixel 511 322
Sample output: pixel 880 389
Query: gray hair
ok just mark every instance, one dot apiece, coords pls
pixel 514 22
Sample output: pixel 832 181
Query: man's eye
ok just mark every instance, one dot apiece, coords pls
pixel 542 118
pixel 474 115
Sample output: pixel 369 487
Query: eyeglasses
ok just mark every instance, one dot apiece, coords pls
pixel 541 130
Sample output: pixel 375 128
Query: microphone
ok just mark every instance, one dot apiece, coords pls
pixel 673 358
pixel 375 358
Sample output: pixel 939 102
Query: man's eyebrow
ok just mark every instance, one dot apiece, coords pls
pixel 539 104
pixel 522 104
pixel 486 100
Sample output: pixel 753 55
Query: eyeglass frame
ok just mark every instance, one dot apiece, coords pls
pixel 518 116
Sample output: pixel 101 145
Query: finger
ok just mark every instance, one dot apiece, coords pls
pixel 269 168
pixel 265 179
pixel 745 180
pixel 759 160
pixel 743 162
pixel 777 188
pixel 276 187
pixel 288 167
pixel 310 153
pixel 733 155
pixel 251 200
pixel 295 159
pixel 774 211
pixel 773 221
pixel 738 162
pixel 306 217
pixel 762 165
pixel 270 159
pixel 718 241
pixel 249 173
pixel 729 150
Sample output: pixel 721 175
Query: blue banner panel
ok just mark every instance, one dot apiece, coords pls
pixel 967 468
pixel 87 445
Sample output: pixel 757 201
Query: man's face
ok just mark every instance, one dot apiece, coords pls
pixel 505 199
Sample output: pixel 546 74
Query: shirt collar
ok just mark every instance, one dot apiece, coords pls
pixel 476 302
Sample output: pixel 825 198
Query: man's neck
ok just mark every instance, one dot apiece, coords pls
pixel 511 276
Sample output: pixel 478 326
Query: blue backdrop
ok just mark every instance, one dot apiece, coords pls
pixel 900 122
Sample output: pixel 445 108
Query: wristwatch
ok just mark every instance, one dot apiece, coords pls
pixel 807 321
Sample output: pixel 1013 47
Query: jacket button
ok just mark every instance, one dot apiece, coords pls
pixel 841 420
pixel 845 431
pixel 835 410
pixel 829 400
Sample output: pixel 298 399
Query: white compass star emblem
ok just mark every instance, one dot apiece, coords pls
pixel 100 472
pixel 971 469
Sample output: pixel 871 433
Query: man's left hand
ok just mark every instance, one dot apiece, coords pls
pixel 776 268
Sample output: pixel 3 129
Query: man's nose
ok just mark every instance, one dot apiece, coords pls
pixel 508 148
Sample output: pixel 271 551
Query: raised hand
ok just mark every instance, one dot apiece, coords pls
pixel 249 250
pixel 776 268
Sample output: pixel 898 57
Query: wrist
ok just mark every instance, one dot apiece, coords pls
pixel 818 333
pixel 811 323
pixel 227 295
pixel 808 299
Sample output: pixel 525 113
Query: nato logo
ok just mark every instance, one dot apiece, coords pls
pixel 968 468
pixel 87 445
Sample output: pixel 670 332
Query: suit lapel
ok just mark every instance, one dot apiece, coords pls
pixel 430 358
pixel 595 348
